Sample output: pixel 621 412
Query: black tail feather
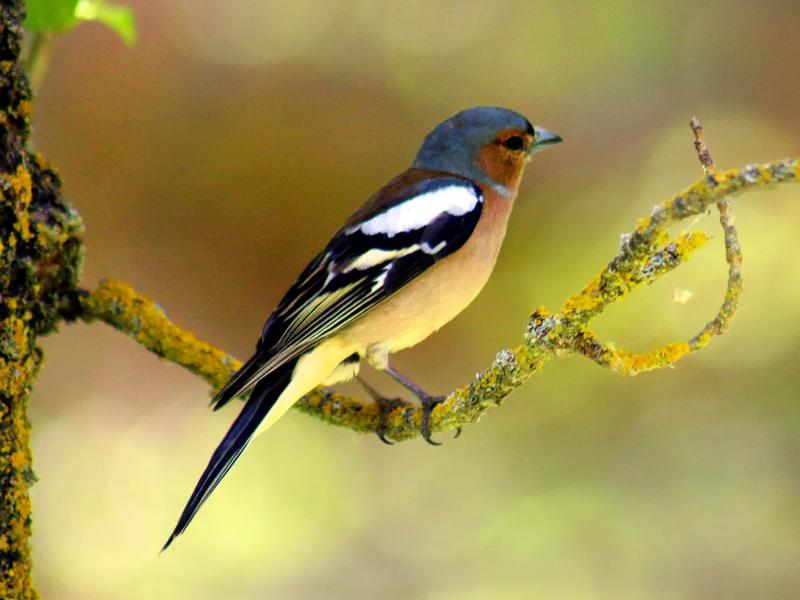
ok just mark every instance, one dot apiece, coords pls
pixel 238 382
pixel 262 399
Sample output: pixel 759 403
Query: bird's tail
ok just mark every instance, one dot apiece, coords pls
pixel 262 400
pixel 239 382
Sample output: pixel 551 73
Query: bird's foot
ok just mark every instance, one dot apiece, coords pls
pixel 385 407
pixel 428 404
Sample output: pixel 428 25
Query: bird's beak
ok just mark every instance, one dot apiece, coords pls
pixel 544 139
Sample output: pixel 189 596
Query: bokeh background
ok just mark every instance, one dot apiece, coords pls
pixel 212 160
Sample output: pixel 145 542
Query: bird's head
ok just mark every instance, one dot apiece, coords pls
pixel 486 144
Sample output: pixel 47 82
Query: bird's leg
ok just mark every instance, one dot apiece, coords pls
pixel 428 402
pixel 385 408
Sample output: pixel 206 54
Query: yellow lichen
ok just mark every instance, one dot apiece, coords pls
pixel 20 183
pixel 627 363
pixel 20 460
pixel 24 108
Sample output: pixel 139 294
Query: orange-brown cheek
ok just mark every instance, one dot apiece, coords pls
pixel 503 166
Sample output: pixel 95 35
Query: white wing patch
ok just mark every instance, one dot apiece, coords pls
pixel 426 247
pixel 381 279
pixel 419 211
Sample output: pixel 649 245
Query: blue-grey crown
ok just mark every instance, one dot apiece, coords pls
pixel 453 145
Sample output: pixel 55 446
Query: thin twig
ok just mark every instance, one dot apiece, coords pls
pixel 733 251
pixel 38 57
pixel 703 155
pixel 630 363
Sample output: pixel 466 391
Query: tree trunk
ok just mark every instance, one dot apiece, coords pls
pixel 40 257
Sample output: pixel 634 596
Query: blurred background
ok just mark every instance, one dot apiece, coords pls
pixel 211 162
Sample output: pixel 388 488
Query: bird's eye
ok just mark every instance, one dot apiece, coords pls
pixel 514 143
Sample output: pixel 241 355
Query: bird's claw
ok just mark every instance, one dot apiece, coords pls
pixel 385 407
pixel 388 405
pixel 428 404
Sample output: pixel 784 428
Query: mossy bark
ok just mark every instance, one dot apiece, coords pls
pixel 40 257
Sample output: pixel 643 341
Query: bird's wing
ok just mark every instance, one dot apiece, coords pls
pixel 374 255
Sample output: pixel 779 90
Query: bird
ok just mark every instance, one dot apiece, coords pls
pixel 408 261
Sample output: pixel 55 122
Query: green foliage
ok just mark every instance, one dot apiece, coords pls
pixel 50 15
pixel 61 15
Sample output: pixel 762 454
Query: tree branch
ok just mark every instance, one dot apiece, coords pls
pixel 646 254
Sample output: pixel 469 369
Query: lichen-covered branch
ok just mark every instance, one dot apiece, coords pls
pixel 733 252
pixel 629 363
pixel 646 254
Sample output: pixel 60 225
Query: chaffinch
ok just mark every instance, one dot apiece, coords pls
pixel 404 264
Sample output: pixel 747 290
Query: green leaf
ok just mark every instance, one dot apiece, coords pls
pixel 61 15
pixel 50 15
pixel 116 17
